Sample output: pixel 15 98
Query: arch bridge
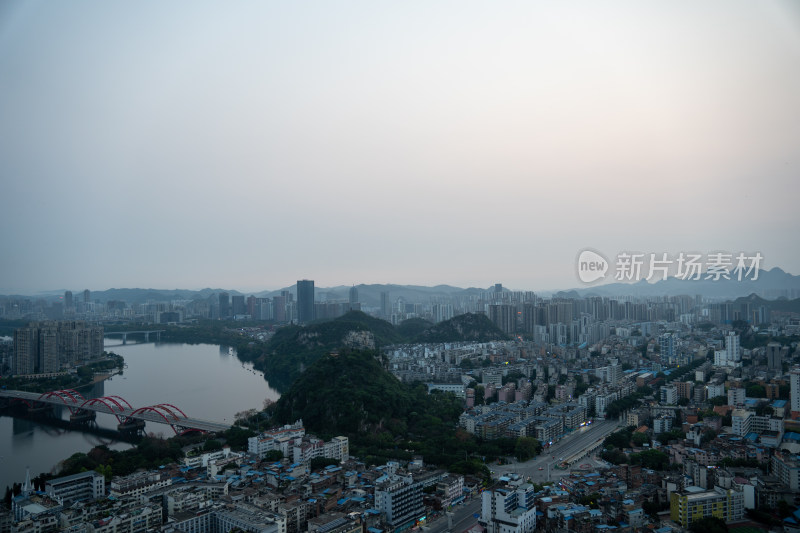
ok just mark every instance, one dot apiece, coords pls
pixel 130 418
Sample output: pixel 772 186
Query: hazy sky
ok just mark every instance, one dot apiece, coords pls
pixel 246 145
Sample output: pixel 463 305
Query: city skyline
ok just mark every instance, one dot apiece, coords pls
pixel 84 294
pixel 199 145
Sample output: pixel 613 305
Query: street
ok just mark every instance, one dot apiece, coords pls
pixel 463 517
pixel 570 445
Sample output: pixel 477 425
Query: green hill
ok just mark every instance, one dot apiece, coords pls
pixel 412 327
pixel 294 348
pixel 351 393
pixel 344 393
pixel 474 327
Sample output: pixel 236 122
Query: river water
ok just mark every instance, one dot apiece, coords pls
pixel 203 380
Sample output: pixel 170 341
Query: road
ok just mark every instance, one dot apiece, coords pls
pixel 570 445
pixel 463 517
pixel 464 514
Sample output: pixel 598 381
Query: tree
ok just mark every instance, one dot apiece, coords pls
pixel 105 471
pixel 321 462
pixel 708 436
pixel 675 434
pixel 709 524
pixel 653 459
pixel 640 439
pixel 619 439
pixel 479 392
pixel 526 448
pixel 273 455
pixel 212 445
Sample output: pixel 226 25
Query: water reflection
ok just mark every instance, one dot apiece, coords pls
pixel 205 381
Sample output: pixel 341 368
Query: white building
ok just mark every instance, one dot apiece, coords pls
pixel 662 424
pixel 715 389
pixel 509 510
pixel 276 439
pixel 400 499
pixel 736 396
pixel 732 347
pixel 84 486
pixel 795 389
pixel 669 394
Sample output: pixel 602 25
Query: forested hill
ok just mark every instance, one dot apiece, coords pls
pixel 351 393
pixel 345 392
pixel 474 327
pixel 294 348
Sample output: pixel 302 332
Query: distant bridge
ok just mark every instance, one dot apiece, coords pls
pixel 131 419
pixel 125 334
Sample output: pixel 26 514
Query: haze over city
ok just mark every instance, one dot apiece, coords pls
pixel 247 146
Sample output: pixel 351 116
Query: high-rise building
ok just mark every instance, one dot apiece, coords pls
pixel 26 351
pixel 87 296
pixel 238 306
pixel 774 361
pixel 68 303
pixel 666 343
pixel 353 295
pixel 732 347
pixel 305 300
pixel 45 347
pixel 48 349
pixel 224 305
pixel 504 316
pixel 386 306
pixel 279 308
pixel 794 377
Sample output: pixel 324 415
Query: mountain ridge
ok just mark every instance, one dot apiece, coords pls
pixel 772 281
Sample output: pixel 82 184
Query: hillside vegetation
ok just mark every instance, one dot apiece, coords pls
pixel 295 348
pixel 351 393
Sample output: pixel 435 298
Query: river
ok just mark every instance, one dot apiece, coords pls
pixel 203 380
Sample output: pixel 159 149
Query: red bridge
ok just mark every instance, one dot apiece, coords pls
pixel 130 418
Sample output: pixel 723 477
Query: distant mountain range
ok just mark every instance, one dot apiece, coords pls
pixel 771 284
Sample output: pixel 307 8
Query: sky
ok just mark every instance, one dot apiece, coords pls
pixel 246 145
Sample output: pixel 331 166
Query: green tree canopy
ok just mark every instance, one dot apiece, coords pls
pixel 527 448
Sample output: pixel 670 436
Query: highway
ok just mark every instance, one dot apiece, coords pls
pixel 575 442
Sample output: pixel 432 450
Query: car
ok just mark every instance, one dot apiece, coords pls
pixel 541 468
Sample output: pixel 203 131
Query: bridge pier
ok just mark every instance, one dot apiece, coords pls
pixel 83 416
pixel 124 338
pixel 131 426
pixel 158 336
pixel 146 336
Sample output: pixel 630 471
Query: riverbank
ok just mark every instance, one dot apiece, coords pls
pixel 81 378
pixel 204 381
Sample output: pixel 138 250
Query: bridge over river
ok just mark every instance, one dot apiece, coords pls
pixel 131 419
